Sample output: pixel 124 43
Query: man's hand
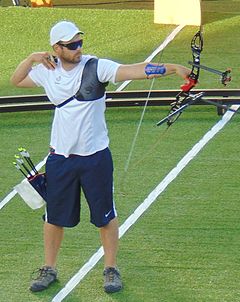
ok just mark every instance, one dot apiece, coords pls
pixel 44 58
pixel 189 84
pixel 20 76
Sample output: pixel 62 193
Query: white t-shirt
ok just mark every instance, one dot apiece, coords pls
pixel 79 127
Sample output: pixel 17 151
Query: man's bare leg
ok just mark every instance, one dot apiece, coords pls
pixel 53 236
pixel 109 238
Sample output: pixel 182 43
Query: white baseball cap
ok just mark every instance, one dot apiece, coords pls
pixel 63 31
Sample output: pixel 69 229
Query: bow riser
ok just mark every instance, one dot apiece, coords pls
pixel 196 47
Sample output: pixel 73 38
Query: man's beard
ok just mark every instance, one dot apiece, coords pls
pixel 75 60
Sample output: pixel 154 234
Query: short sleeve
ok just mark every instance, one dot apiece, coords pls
pixel 38 73
pixel 107 70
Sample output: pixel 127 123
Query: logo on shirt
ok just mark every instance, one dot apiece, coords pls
pixel 58 80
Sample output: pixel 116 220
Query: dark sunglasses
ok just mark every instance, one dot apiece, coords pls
pixel 73 45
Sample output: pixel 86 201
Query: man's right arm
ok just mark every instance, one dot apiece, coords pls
pixel 20 77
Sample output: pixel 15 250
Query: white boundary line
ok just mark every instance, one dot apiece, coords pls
pixel 76 279
pixel 14 192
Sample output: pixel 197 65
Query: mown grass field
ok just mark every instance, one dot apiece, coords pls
pixel 185 248
pixel 96 4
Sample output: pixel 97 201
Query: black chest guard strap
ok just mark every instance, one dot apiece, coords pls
pixel 91 88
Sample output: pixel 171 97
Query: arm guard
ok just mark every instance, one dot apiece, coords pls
pixel 151 69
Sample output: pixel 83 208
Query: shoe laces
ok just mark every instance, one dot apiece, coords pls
pixel 111 273
pixel 111 276
pixel 40 272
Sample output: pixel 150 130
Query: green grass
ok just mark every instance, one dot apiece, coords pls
pixel 185 248
pixel 126 36
pixel 109 4
pixel 97 4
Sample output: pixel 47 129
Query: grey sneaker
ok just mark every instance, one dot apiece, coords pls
pixel 46 276
pixel 112 280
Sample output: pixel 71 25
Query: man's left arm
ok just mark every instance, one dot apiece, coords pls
pixel 150 70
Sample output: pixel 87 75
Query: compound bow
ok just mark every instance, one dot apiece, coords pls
pixel 184 98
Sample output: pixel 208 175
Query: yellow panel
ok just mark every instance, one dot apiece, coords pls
pixel 39 3
pixel 187 12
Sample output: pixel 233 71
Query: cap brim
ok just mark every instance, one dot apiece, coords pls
pixel 68 38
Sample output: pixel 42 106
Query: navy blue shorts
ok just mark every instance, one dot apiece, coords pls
pixel 65 179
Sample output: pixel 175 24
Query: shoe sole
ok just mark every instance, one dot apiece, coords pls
pixel 41 288
pixel 112 289
pixel 37 289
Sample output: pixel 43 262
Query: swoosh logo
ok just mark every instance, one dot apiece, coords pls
pixel 106 215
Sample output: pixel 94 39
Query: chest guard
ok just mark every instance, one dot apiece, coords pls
pixel 91 88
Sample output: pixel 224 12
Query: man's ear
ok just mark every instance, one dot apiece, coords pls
pixel 56 48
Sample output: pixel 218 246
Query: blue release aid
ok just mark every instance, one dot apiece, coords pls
pixel 151 69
